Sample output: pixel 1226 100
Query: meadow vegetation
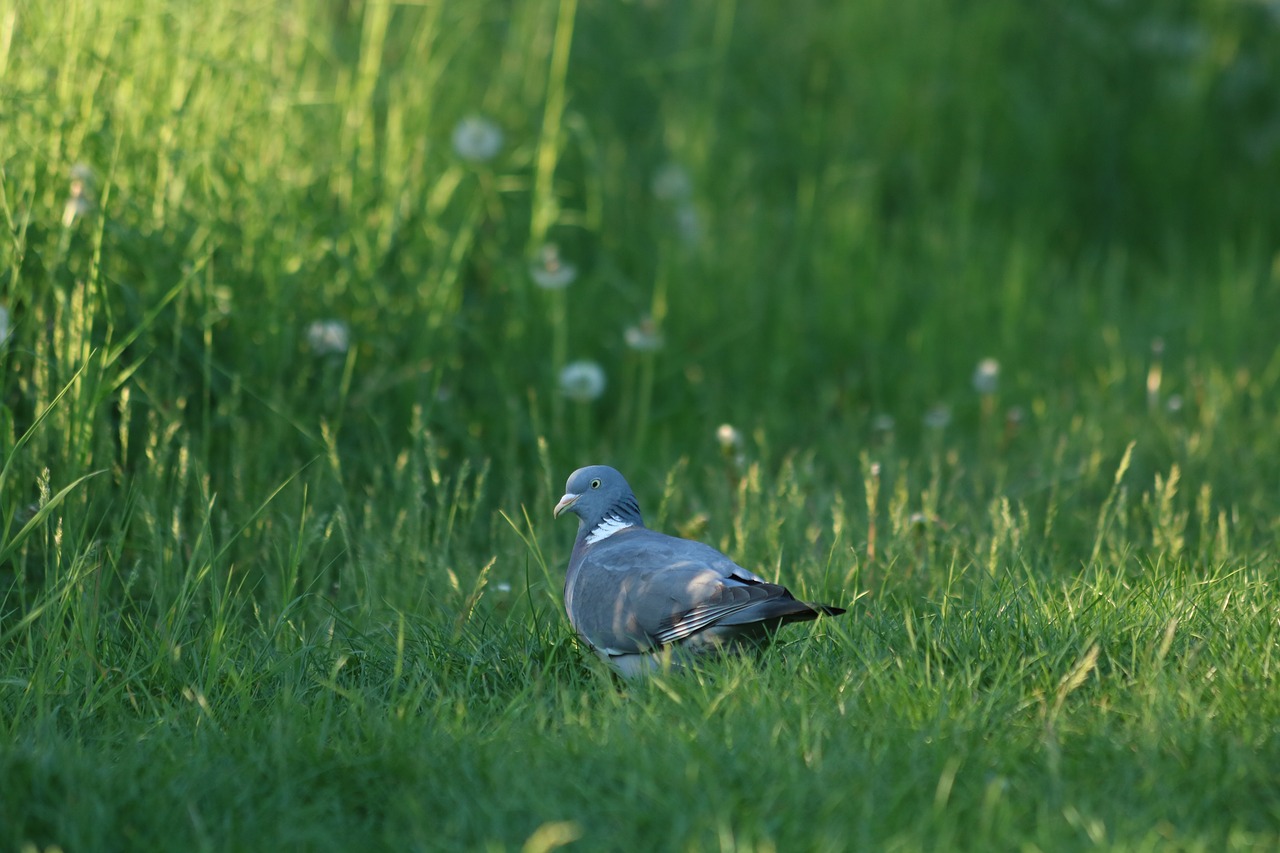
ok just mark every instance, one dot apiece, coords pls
pixel 306 309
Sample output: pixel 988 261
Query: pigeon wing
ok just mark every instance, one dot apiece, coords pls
pixel 638 590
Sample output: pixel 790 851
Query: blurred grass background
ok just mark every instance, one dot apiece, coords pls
pixel 282 416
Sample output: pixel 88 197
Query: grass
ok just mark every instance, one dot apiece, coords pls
pixel 264 587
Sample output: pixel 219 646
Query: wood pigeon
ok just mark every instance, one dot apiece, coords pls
pixel 638 597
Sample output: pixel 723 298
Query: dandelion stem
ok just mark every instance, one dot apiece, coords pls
pixel 559 354
pixel 545 208
pixel 657 315
pixel 645 395
pixel 583 423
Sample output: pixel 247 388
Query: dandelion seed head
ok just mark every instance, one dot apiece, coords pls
pixel 882 423
pixel 28 512
pixel 82 180
pixel 986 376
pixel 1174 404
pixel 549 271
pixel 644 336
pixel 582 381
pixel 922 521
pixel 222 300
pixel 671 182
pixel 328 337
pixel 938 417
pixel 477 139
pixel 729 437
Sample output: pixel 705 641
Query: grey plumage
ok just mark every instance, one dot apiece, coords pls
pixel 635 595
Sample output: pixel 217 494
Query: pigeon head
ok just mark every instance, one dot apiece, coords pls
pixel 601 498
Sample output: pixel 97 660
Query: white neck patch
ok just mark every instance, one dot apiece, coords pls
pixel 611 525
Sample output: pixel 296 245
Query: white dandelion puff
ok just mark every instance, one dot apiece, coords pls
pixel 729 437
pixel 477 139
pixel 938 417
pixel 79 195
pixel 921 520
pixel 582 381
pixel 643 336
pixel 671 182
pixel 1155 373
pixel 550 271
pixel 986 377
pixel 82 179
pixel 882 423
pixel 221 300
pixel 328 337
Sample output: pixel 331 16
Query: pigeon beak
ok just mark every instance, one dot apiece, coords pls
pixel 565 502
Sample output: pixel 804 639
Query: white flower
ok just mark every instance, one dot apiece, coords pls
pixel 328 337
pixel 671 182
pixel 644 336
pixel 551 273
pixel 82 179
pixel 4 325
pixel 986 376
pixel 80 195
pixel 582 381
pixel 921 520
pixel 938 417
pixel 730 439
pixel 477 139
pixel 221 300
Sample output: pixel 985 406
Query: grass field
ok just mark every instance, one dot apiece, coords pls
pixel 305 312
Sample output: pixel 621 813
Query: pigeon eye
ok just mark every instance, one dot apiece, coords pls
pixel 595 484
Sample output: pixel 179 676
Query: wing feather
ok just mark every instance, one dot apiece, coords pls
pixel 638 590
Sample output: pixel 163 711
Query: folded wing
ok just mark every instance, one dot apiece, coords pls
pixel 637 591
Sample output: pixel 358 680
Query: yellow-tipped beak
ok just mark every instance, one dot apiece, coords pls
pixel 565 502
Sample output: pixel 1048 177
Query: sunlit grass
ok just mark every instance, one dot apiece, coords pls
pixel 308 313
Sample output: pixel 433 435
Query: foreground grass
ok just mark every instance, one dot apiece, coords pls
pixel 268 584
pixel 1132 714
pixel 1130 705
